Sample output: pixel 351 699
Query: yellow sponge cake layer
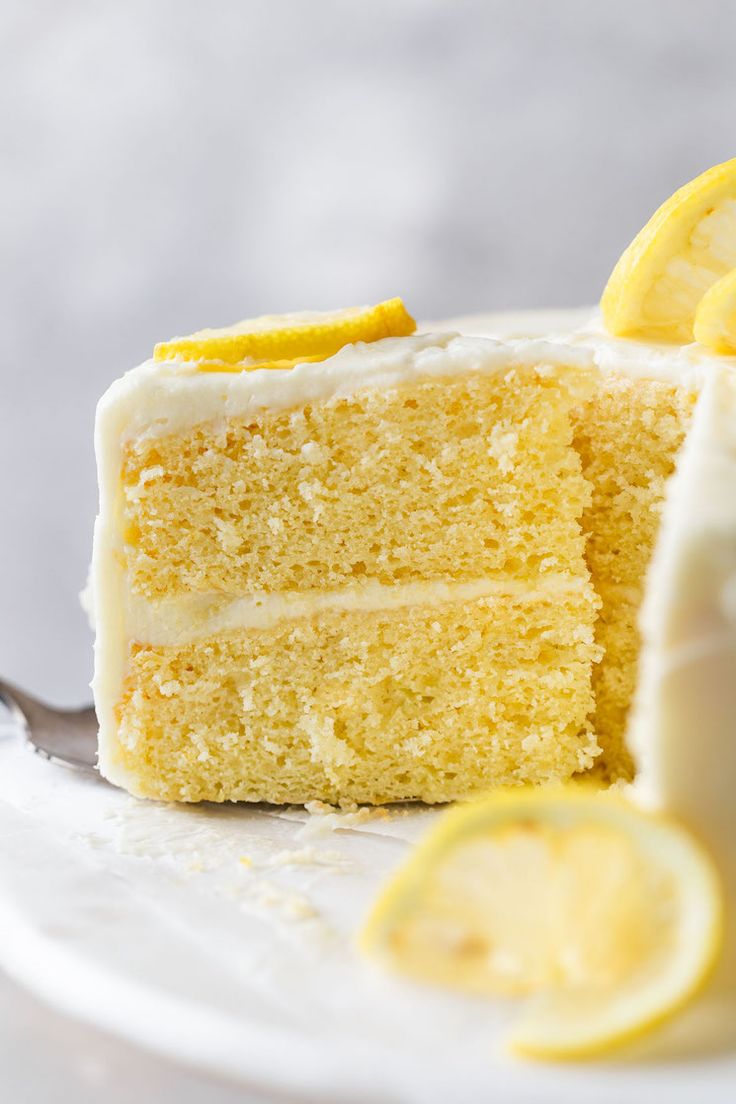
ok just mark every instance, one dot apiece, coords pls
pixel 448 478
pixel 425 701
pixel 362 579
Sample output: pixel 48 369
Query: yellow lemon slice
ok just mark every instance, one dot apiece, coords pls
pixel 282 340
pixel 688 244
pixel 715 318
pixel 605 917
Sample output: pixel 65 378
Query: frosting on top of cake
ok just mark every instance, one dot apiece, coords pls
pixel 161 397
pixel 583 327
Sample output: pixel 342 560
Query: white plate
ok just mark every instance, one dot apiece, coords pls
pixel 223 937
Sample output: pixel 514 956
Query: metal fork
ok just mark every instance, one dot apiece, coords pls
pixel 65 736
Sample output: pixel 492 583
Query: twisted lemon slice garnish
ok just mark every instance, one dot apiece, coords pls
pixel 688 244
pixel 283 340
pixel 605 917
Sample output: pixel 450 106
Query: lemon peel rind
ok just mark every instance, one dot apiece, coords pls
pixel 290 337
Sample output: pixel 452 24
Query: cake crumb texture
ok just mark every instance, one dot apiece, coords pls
pixel 628 435
pixel 451 479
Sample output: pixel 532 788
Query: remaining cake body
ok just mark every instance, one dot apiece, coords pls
pixel 362 579
pixel 682 730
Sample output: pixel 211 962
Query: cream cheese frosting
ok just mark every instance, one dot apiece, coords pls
pixel 179 621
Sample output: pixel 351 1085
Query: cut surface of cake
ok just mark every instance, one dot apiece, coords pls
pixel 356 579
pixel 628 433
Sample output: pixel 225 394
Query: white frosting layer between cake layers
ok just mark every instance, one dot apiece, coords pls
pixel 178 621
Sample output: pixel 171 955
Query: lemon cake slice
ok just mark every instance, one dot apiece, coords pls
pixel 352 575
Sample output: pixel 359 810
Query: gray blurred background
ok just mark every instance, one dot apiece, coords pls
pixel 169 164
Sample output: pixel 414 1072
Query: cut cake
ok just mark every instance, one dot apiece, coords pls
pixel 358 579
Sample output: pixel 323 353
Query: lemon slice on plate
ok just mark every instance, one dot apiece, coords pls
pixel 606 917
pixel 688 244
pixel 282 340
pixel 715 319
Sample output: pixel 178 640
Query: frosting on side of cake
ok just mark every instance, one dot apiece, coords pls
pixel 684 715
pixel 682 730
